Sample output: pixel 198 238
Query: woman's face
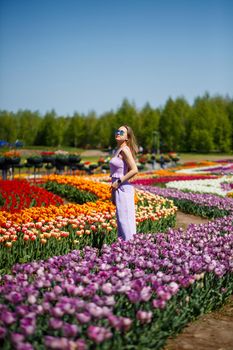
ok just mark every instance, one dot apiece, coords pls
pixel 121 134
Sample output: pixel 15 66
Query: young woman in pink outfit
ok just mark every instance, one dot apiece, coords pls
pixel 123 167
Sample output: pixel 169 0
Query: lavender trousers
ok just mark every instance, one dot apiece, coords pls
pixel 125 210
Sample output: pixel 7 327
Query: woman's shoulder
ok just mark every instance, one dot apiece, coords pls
pixel 126 150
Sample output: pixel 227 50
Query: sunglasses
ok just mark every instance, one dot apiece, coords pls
pixel 119 132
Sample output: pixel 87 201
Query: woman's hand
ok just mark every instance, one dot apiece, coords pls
pixel 114 185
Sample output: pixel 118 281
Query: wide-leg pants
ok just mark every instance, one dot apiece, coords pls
pixel 125 210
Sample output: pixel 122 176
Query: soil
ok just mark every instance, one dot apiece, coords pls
pixel 212 331
pixel 183 220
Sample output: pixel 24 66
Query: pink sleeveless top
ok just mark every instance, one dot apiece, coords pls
pixel 118 166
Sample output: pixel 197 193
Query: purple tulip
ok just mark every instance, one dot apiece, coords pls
pixel 57 290
pixel 83 317
pixel 22 310
pixel 28 325
pixel 98 334
pixel 144 316
pixel 81 344
pixel 173 288
pixel 159 304
pixel 126 323
pixel 17 338
pixel 57 311
pixel 2 332
pixel 94 310
pixel 56 343
pixel 109 300
pixel 67 308
pixel 24 346
pixel 106 311
pixel 145 294
pixel 115 322
pixel 107 288
pixel 134 296
pixel 7 317
pixel 70 330
pixel 14 297
pixel 55 323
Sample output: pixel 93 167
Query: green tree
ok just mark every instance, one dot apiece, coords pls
pixel 48 133
pixel 74 134
pixel 8 127
pixel 223 127
pixel 230 117
pixel 148 122
pixel 106 127
pixel 28 125
pixel 173 124
pixel 202 123
pixel 62 124
pixel 201 140
pixel 91 131
pixel 127 114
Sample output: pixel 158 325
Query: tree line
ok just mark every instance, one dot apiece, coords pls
pixel 204 126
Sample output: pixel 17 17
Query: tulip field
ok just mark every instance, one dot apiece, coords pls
pixel 67 282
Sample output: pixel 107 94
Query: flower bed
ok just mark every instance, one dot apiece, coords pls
pixel 224 169
pixel 208 185
pixel 205 205
pixel 135 294
pixel 71 193
pixel 102 191
pixel 38 233
pixel 123 295
pixel 18 195
pixel 151 181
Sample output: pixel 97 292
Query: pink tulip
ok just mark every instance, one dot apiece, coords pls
pixel 98 334
pixel 55 323
pixel 159 304
pixel 7 317
pixel 144 316
pixel 83 317
pixel 107 288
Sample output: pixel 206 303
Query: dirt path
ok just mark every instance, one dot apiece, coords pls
pixel 213 331
pixel 183 220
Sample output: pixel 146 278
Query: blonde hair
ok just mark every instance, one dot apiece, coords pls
pixel 131 142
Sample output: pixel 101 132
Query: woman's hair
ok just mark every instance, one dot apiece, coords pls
pixel 131 142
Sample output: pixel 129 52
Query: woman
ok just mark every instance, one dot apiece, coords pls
pixel 123 167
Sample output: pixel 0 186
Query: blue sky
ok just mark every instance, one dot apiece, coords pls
pixel 84 55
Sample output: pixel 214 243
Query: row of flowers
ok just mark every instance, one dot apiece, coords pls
pixel 173 177
pixel 84 183
pixel 70 193
pixel 18 195
pixel 223 169
pixel 209 185
pixel 205 205
pixel 40 232
pixel 125 297
pixel 174 171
